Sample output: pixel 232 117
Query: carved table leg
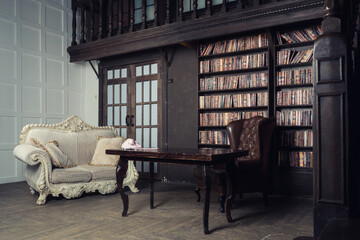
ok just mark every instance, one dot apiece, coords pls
pixel 232 188
pixel 151 181
pixel 207 185
pixel 121 170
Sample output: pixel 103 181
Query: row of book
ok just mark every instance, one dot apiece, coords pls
pixel 233 63
pixel 296 76
pixel 213 137
pixel 297 138
pixel 288 56
pixel 224 118
pixel 297 36
pixel 294 117
pixel 295 159
pixel 295 97
pixel 233 45
pixel 234 100
pixel 234 82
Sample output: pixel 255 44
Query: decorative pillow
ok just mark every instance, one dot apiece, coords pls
pixel 58 158
pixel 100 158
pixel 130 144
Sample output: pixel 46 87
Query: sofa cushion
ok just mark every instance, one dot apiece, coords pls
pixel 58 158
pixel 70 175
pixel 100 172
pixel 100 158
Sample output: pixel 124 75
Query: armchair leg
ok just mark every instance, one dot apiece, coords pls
pixel 197 192
pixel 222 200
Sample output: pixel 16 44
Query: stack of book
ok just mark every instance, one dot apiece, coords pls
pixel 297 138
pixel 213 137
pixel 294 118
pixel 296 76
pixel 234 100
pixel 224 118
pixel 295 97
pixel 288 56
pixel 296 159
pixel 302 35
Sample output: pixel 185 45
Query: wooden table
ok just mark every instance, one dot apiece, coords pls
pixel 204 157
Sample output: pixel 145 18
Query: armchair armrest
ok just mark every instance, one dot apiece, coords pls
pixel 31 155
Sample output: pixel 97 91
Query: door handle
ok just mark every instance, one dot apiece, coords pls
pixel 131 120
pixel 128 120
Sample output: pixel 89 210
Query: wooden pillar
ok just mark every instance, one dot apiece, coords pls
pixel 82 38
pixel 74 8
pixel 180 12
pixel 120 10
pixel 131 27
pixel 195 6
pixel 91 20
pixel 331 133
pixel 155 13
pixel 167 19
pixel 143 22
pixel 208 8
pixel 101 2
pixel 110 14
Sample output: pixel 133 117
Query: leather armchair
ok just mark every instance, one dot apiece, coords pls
pixel 253 171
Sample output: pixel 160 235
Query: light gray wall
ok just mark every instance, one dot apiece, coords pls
pixel 37 82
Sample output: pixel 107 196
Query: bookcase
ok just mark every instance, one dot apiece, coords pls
pixel 233 84
pixel 265 73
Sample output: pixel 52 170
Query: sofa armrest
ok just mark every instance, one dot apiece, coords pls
pixel 31 155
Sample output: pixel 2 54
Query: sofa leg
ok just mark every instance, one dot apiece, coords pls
pixel 197 191
pixel 222 200
pixel 42 199
pixel 32 191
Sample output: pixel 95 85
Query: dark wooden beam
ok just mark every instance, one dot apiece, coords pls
pixel 206 27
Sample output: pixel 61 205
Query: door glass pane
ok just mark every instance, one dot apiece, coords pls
pixel 138 136
pixel 146 114
pixel 123 115
pixel 124 72
pixel 123 132
pixel 146 69
pixel 118 131
pixel 154 90
pixel 146 137
pixel 146 167
pixel 138 71
pixel 154 68
pixel 137 16
pixel 150 13
pixel 216 2
pixel 138 3
pixel 117 93
pixel 110 74
pixel 110 94
pixel 116 115
pixel 146 91
pixel 123 93
pixel 109 116
pixel 138 92
pixel 138 115
pixel 201 4
pixel 153 114
pixel 138 166
pixel 154 133
pixel 117 73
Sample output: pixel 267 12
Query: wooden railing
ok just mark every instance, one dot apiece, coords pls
pixel 99 19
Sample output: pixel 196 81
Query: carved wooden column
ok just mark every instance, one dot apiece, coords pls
pixel 73 8
pixel 143 17
pixel 180 12
pixel 132 12
pixel 91 20
pixel 195 6
pixel 110 14
pixel 100 19
pixel 82 38
pixel 120 10
pixel 155 13
pixel 208 8
pixel 167 19
pixel 331 136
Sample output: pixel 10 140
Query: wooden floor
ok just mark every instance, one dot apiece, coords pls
pixel 177 215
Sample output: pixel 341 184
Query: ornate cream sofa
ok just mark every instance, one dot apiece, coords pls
pixel 78 140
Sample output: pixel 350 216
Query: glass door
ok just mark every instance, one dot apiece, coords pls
pixel 132 97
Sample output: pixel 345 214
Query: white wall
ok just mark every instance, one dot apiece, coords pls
pixel 37 82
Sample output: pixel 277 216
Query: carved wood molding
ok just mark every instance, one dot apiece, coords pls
pixel 206 27
pixel 72 124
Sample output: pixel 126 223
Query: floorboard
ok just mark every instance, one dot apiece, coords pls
pixel 177 216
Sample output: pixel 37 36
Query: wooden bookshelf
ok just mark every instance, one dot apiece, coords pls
pixel 233 84
pixel 293 107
